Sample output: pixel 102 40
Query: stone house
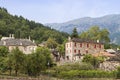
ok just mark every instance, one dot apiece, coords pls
pixel 25 45
pixel 76 47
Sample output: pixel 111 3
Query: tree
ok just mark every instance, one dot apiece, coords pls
pixel 37 61
pixel 118 72
pixel 22 28
pixel 3 55
pixel 51 43
pixel 74 33
pixel 17 59
pixel 61 49
pixel 95 33
pixel 9 63
pixel 3 51
pixel 91 60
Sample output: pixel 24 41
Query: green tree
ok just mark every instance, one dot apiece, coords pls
pixel 95 33
pixel 118 72
pixel 22 28
pixel 51 43
pixel 74 33
pixel 2 64
pixel 61 49
pixel 3 51
pixel 37 61
pixel 91 60
pixel 17 59
pixel 9 63
pixel 3 55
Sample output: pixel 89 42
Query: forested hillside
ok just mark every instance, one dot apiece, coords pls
pixel 23 28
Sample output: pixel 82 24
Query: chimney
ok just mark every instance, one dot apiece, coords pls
pixel 33 41
pixel 69 38
pixel 12 36
pixel 29 38
pixel 118 49
pixel 9 35
pixel 98 41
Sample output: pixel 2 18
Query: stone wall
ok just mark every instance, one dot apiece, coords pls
pixel 109 65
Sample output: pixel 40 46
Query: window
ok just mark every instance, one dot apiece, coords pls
pixel 78 51
pixel 80 44
pixel 75 44
pixel 100 46
pixel 75 51
pixel 87 45
pixel 86 51
pixel 95 46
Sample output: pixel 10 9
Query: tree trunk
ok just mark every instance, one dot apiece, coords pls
pixel 16 71
pixel 10 71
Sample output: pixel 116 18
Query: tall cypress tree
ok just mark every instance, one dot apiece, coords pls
pixel 74 33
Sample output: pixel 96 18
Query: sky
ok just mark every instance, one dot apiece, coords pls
pixel 58 11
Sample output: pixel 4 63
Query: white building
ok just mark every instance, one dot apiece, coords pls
pixel 25 45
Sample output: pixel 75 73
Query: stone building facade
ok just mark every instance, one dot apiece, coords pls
pixel 75 48
pixel 25 45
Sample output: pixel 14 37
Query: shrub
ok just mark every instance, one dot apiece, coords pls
pixel 85 74
pixel 118 72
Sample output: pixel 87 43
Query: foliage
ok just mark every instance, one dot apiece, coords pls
pixel 37 61
pixel 95 61
pixel 73 66
pixel 86 74
pixel 118 72
pixel 17 60
pixel 61 49
pixel 74 33
pixel 2 64
pixel 23 28
pixel 95 33
pixel 3 54
pixel 51 43
pixel 80 70
pixel 3 51
pixel 31 64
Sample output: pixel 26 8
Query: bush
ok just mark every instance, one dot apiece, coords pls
pixel 118 72
pixel 85 74
pixel 74 66
pixel 80 70
pixel 95 61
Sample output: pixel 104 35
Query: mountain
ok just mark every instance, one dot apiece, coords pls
pixel 23 28
pixel 110 22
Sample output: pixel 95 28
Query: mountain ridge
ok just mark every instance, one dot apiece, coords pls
pixel 110 22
